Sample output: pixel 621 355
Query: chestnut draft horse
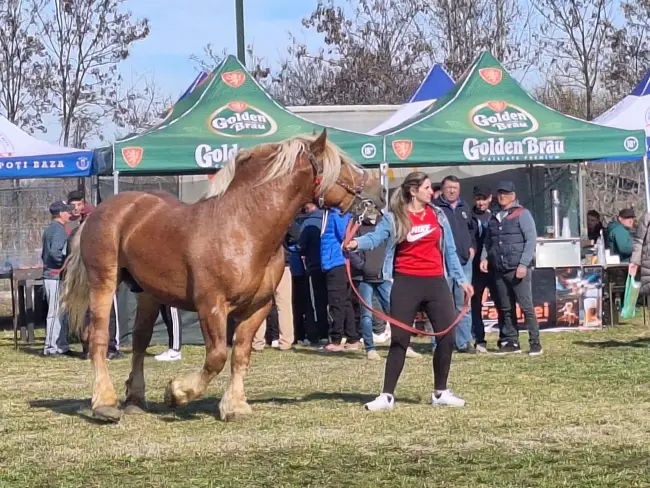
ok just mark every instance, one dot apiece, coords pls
pixel 220 256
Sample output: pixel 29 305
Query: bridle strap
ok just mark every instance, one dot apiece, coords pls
pixel 355 191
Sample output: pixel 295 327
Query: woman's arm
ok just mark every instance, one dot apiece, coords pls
pixel 451 257
pixel 374 239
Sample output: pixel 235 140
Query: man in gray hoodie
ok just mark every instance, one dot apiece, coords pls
pixel 509 251
pixel 55 241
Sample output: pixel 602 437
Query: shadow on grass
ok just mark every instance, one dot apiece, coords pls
pixel 641 342
pixel 311 351
pixel 204 406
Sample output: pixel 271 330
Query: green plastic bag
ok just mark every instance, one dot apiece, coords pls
pixel 632 288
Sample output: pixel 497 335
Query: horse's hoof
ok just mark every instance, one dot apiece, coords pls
pixel 133 409
pixel 107 414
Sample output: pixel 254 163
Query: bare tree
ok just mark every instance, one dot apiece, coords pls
pixel 140 105
pixel 630 49
pixel 376 54
pixel 84 41
pixel 573 35
pixel 210 59
pixel 460 29
pixel 24 80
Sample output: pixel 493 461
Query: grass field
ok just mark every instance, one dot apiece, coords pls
pixel 577 416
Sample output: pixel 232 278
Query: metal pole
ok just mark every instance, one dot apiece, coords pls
pixel 645 175
pixel 239 20
pixel 116 182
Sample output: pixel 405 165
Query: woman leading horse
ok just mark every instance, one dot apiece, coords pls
pixel 421 257
pixel 220 257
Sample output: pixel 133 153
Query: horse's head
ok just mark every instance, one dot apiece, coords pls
pixel 341 183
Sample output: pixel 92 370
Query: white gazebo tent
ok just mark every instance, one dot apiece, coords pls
pixel 633 113
pixel 435 85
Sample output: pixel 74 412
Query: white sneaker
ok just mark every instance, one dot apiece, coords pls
pixel 410 353
pixel 169 355
pixel 384 401
pixel 373 355
pixel 447 398
pixel 275 344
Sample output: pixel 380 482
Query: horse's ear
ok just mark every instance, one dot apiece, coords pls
pixel 318 146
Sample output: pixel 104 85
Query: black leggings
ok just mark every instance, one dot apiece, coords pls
pixel 174 326
pixel 408 294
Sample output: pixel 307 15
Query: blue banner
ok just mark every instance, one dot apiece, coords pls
pixel 69 165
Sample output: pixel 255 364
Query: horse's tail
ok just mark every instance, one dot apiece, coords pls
pixel 76 289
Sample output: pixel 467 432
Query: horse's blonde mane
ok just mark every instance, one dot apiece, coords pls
pixel 283 161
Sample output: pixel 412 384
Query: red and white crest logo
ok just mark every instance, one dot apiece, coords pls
pixel 234 79
pixel 403 148
pixel 497 105
pixel 132 155
pixel 493 76
pixel 238 106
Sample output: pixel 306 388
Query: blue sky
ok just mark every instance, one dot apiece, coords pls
pixel 180 29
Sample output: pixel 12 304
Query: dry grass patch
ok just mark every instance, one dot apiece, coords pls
pixel 577 416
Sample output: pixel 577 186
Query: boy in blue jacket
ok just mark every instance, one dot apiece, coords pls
pixel 338 288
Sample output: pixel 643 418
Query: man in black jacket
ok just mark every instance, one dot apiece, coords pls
pixel 369 276
pixel 481 212
pixel 463 227
pixel 309 245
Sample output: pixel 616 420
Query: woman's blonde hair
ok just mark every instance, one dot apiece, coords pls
pixel 399 203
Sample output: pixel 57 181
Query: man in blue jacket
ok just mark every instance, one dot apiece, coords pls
pixel 338 287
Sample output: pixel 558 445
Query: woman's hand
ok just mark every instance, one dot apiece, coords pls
pixel 633 268
pixel 468 289
pixel 484 266
pixel 352 245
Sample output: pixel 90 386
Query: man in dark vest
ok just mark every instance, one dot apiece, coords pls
pixel 508 253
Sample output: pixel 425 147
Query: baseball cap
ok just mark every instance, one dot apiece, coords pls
pixel 482 191
pixel 506 186
pixel 60 206
pixel 627 213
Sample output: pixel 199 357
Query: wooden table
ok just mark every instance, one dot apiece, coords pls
pixel 24 282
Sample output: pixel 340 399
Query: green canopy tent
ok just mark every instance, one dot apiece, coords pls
pixel 227 112
pixel 488 118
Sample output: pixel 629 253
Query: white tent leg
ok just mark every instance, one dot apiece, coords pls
pixel 383 179
pixel 582 205
pixel 116 182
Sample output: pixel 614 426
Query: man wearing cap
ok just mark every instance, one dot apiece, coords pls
pixel 619 235
pixel 53 254
pixel 481 212
pixel 509 252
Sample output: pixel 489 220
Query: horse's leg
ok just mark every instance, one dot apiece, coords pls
pixel 213 319
pixel 233 405
pixel 145 319
pixel 104 402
